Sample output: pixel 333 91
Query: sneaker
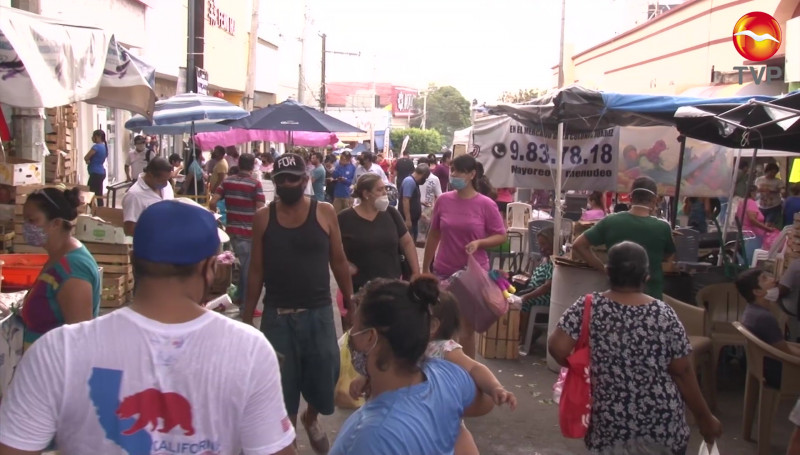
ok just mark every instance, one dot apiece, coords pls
pixel 316 436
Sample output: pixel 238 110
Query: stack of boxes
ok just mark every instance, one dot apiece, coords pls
pixel 59 164
pixel 104 237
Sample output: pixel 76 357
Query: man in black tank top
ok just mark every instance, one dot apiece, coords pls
pixel 295 239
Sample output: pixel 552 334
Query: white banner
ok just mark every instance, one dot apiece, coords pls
pixel 48 63
pixel 514 155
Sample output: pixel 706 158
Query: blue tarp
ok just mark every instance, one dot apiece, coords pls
pixel 585 110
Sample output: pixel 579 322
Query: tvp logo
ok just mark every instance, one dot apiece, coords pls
pixel 757 36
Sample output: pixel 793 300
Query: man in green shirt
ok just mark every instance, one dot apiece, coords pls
pixel 635 225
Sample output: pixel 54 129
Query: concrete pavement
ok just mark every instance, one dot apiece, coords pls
pixel 533 428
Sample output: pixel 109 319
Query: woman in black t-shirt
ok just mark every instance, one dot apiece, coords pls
pixel 374 235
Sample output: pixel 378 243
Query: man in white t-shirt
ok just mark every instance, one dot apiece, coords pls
pixel 429 191
pixel 137 159
pixel 152 186
pixel 163 375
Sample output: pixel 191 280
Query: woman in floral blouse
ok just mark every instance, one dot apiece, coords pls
pixel 641 370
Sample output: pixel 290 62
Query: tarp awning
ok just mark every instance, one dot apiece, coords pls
pixel 47 62
pixel 581 109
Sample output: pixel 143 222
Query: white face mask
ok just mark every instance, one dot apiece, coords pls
pixel 772 294
pixel 382 203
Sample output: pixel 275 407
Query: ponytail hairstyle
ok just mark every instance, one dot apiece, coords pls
pixel 57 204
pixel 102 136
pixel 466 164
pixel 482 183
pixel 400 312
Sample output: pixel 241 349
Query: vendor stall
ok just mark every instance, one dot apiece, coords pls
pixel 572 140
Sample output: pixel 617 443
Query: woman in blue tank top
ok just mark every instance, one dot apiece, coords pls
pixel 95 160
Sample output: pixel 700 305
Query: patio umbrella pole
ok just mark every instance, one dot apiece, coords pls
pixel 750 179
pixel 674 214
pixel 729 211
pixel 557 204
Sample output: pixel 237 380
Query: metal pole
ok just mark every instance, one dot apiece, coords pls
pixel 191 68
pixel 729 211
pixel 674 214
pixel 557 203
pixel 322 92
pixel 561 46
pixel 424 110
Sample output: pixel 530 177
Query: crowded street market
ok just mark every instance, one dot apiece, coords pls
pixel 213 242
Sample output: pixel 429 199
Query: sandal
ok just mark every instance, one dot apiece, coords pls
pixel 316 436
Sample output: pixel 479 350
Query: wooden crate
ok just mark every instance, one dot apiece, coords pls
pixel 501 341
pixel 113 303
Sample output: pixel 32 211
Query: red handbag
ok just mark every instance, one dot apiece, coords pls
pixel 575 406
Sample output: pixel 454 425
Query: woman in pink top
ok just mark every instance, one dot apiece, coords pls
pixel 754 221
pixel 463 222
pixel 595 211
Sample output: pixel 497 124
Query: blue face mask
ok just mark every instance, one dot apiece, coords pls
pixel 34 235
pixel 458 183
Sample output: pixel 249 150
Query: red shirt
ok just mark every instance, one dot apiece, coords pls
pixel 240 192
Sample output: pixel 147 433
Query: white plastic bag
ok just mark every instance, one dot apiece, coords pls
pixel 708 449
pixel 558 387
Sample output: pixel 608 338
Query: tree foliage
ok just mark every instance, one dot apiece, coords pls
pixel 447 111
pixel 420 142
pixel 522 95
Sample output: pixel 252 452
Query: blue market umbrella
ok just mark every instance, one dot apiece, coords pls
pixel 292 116
pixel 187 113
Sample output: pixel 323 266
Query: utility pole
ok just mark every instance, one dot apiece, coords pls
pixel 424 110
pixel 561 45
pixel 323 102
pixel 191 68
pixel 250 82
pixel 249 99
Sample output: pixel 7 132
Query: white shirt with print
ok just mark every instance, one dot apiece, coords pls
pixel 124 384
pixel 430 190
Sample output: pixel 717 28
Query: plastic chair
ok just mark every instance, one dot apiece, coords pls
pixel 518 214
pixel 757 391
pixel 724 306
pixel 536 310
pixel 694 322
pixel 534 227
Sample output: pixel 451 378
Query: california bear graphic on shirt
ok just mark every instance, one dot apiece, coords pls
pixel 147 422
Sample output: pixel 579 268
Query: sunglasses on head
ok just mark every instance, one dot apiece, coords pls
pixel 286 178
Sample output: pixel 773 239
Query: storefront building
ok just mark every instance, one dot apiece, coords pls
pixel 688 49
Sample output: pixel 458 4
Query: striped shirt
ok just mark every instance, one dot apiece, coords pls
pixel 241 193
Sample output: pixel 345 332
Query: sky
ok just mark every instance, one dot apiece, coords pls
pixel 480 47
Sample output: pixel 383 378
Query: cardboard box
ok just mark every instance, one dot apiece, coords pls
pixel 18 171
pixel 112 215
pixel 93 229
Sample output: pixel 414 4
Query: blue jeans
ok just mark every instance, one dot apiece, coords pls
pixel 310 364
pixel 241 248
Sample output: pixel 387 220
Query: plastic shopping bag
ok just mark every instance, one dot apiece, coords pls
pixel 558 387
pixel 479 299
pixel 708 449
pixel 575 405
pixel 342 397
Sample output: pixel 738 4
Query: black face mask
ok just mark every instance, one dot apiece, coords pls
pixel 289 195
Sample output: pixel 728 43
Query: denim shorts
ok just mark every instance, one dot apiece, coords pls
pixel 310 364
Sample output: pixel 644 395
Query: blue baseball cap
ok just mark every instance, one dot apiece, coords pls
pixel 172 232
